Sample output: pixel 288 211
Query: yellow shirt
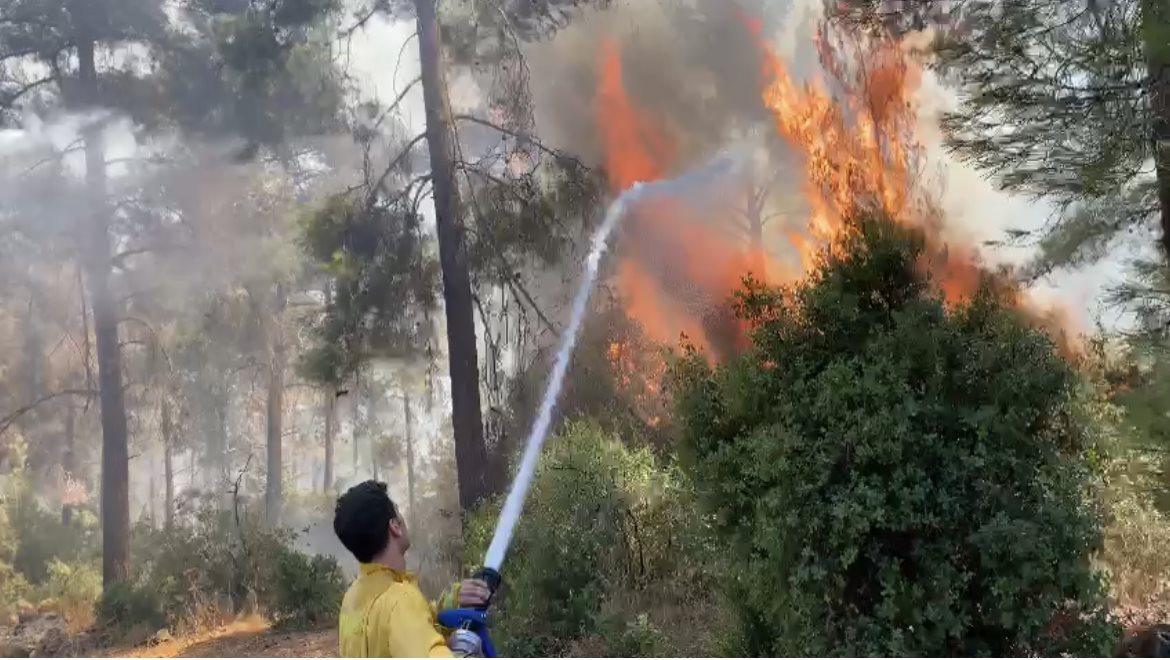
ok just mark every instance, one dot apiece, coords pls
pixel 384 615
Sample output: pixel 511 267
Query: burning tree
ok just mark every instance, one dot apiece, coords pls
pixel 933 452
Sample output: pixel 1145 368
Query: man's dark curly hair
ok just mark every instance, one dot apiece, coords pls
pixel 362 518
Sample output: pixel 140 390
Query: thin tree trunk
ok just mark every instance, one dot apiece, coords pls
pixel 409 450
pixel 68 457
pixel 755 220
pixel 1156 29
pixel 115 497
pixel 273 495
pixel 368 428
pixel 34 355
pixel 330 414
pixel 354 421
pixel 168 437
pixel 151 506
pixel 466 415
pixel 330 404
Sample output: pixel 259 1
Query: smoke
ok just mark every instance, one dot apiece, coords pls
pixel 686 63
pixel 695 77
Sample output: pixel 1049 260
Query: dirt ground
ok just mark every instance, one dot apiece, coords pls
pixel 249 638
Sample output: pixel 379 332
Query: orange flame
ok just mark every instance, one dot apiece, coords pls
pixel 698 265
pixel 859 150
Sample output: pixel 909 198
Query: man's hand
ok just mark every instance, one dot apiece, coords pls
pixel 473 593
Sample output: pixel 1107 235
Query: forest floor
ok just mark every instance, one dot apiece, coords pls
pixel 247 638
pixel 253 637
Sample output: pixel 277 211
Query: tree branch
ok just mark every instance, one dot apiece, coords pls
pixel 373 192
pixel 397 100
pixel 117 261
pixel 522 137
pixel 361 22
pixel 9 98
pixel 9 419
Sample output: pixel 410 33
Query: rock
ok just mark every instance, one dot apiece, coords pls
pixel 52 642
pixel 39 636
pixel 12 620
pixel 25 612
pixel 161 637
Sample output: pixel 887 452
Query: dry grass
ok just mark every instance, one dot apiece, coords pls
pixel 247 637
pixel 1137 541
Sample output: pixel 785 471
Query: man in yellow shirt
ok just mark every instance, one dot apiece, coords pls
pixel 383 613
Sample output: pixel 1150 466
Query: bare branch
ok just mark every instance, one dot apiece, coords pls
pixel 9 98
pixel 401 51
pixel 76 145
pixel 528 139
pixel 158 344
pixel 9 419
pixel 373 192
pixel 361 22
pixel 510 276
pixel 118 260
pixel 397 100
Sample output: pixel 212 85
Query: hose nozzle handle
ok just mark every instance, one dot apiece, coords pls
pixel 490 577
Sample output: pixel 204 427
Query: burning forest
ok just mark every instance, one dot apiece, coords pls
pixel 665 327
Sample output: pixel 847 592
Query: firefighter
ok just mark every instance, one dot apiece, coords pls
pixel 383 613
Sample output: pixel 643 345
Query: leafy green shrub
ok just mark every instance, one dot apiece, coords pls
pixel 895 475
pixel 74 590
pixel 606 532
pixel 211 568
pixel 128 605
pixel 38 537
pixel 636 638
pixel 13 589
pixel 308 590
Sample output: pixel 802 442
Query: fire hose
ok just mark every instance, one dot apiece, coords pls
pixel 471 637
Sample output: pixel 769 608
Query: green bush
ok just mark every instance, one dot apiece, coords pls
pixel 74 590
pixel 895 475
pixel 13 589
pixel 129 605
pixel 608 536
pixel 308 590
pixel 37 537
pixel 211 568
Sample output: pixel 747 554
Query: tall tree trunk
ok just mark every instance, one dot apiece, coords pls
pixel 151 507
pixel 330 404
pixel 218 478
pixel 409 450
pixel 466 415
pixel 168 437
pixel 273 495
pixel 360 416
pixel 33 367
pixel 755 222
pixel 68 457
pixel 330 414
pixel 1156 32
pixel 368 430
pixel 115 497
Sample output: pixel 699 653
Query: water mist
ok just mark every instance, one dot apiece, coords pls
pixel 721 167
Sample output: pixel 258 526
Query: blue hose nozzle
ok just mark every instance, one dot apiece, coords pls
pixel 475 619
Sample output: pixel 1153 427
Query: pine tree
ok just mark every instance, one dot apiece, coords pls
pixel 239 62
pixel 1063 100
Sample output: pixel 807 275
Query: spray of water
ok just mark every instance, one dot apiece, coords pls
pixel 720 167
